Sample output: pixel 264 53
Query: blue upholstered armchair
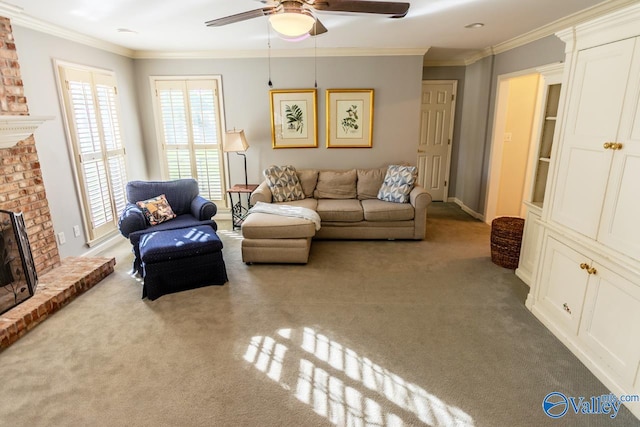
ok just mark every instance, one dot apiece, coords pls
pixel 185 201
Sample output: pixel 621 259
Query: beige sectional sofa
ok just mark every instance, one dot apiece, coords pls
pixel 347 203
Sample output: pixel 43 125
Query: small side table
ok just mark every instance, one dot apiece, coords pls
pixel 238 211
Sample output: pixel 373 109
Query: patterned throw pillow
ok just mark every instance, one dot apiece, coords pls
pixel 156 210
pixel 398 183
pixel 284 183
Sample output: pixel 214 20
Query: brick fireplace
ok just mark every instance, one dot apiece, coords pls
pixel 22 190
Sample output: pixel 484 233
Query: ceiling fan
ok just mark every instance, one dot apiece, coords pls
pixel 294 18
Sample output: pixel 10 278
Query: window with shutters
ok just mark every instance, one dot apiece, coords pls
pixel 92 113
pixel 189 126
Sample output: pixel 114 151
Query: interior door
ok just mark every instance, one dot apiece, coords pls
pixel 436 134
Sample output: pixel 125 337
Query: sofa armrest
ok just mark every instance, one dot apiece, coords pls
pixel 203 209
pixel 420 199
pixel 261 194
pixel 131 219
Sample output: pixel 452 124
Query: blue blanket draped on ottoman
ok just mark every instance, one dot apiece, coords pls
pixel 181 259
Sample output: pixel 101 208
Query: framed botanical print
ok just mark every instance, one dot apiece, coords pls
pixel 294 118
pixel 349 118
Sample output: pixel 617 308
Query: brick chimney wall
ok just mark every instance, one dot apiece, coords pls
pixel 21 186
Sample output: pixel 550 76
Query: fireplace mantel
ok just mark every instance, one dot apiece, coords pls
pixel 17 128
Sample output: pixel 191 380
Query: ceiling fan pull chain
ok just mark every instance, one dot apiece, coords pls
pixel 269 53
pixel 315 51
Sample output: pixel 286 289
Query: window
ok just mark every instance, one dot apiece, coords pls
pixel 91 107
pixel 189 125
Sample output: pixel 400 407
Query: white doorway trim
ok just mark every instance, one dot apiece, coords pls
pixel 497 139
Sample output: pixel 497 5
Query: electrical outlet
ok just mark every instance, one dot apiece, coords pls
pixel 61 239
pixel 76 231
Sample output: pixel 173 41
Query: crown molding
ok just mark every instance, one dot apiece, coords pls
pixel 18 17
pixel 447 63
pixel 562 24
pixel 552 28
pixel 277 53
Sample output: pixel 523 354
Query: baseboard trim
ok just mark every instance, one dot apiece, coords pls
pixel 102 246
pixel 465 208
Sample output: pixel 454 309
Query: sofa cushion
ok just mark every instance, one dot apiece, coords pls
pixel 336 184
pixel 156 210
pixel 258 225
pixel 305 203
pixel 369 182
pixel 308 179
pixel 398 183
pixel 283 183
pixel 348 210
pixel 380 210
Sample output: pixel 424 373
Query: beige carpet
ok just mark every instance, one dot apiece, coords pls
pixel 369 333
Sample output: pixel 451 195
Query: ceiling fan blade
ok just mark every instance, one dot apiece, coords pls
pixel 318 28
pixel 395 9
pixel 240 17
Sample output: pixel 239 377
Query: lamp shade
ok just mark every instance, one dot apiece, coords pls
pixel 292 24
pixel 235 141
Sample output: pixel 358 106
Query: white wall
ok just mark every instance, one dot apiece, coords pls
pixel 36 52
pixel 395 80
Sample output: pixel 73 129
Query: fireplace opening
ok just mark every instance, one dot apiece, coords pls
pixel 18 277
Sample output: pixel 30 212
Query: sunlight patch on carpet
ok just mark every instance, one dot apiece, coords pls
pixel 343 386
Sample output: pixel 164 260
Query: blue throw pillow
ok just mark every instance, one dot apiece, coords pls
pixel 398 183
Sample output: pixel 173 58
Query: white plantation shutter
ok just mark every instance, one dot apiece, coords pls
pixel 189 118
pixel 91 104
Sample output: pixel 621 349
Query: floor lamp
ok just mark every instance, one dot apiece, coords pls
pixel 235 142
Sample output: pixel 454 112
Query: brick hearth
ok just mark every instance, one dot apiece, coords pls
pixel 55 289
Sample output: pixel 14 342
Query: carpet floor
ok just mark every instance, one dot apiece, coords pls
pixel 368 333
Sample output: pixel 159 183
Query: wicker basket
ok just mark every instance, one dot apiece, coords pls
pixel 506 238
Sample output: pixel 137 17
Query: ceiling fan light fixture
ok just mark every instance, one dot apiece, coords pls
pixel 292 24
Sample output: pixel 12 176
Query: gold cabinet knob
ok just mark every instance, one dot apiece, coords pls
pixel 612 145
pixel 566 308
pixel 584 266
pixel 592 270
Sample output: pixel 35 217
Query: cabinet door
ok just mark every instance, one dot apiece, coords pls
pixel 530 247
pixel 595 105
pixel 563 285
pixel 611 323
pixel 619 227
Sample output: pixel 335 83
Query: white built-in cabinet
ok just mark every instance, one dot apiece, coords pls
pixel 585 284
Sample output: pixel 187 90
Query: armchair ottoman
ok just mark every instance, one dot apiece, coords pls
pixel 181 259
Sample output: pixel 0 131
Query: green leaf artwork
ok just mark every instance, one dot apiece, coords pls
pixel 350 122
pixel 295 118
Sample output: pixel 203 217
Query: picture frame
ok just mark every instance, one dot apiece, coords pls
pixel 349 118
pixel 294 118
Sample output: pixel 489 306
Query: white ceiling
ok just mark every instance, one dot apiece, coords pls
pixel 178 26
